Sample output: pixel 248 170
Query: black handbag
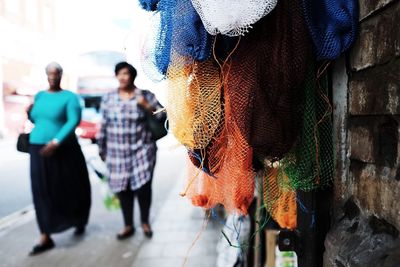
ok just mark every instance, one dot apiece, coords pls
pixel 157 126
pixel 23 143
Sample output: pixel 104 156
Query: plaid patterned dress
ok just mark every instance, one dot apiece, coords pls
pixel 126 142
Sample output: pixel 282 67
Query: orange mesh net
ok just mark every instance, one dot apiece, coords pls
pixel 228 161
pixel 233 190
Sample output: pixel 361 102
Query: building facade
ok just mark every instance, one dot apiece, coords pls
pixel 28 29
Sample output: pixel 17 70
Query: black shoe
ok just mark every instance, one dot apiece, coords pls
pixel 148 234
pixel 79 231
pixel 40 248
pixel 126 235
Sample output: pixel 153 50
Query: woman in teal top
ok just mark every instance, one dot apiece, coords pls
pixel 59 176
pixel 56 115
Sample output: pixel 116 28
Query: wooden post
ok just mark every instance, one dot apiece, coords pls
pixel 271 238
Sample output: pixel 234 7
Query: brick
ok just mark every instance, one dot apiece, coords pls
pixel 367 7
pixel 376 91
pixel 361 144
pixel 378 41
pixel 374 139
pixel 376 191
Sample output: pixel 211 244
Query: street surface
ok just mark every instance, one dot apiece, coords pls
pixel 175 222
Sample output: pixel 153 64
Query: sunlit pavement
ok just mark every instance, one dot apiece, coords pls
pixel 175 222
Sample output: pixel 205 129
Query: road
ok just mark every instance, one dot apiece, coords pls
pixel 15 193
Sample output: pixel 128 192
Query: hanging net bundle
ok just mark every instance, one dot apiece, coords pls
pixel 262 83
pixel 332 25
pixel 232 18
pixel 309 165
pixel 257 99
pixel 179 29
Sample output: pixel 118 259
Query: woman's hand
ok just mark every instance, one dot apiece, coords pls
pixel 49 149
pixel 142 101
pixel 103 157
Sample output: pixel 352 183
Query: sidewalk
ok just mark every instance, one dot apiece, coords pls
pixel 175 223
pixel 177 228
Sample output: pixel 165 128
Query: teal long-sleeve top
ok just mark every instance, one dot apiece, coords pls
pixel 55 116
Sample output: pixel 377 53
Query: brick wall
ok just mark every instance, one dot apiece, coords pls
pixel 366 89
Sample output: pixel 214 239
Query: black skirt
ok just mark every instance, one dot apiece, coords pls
pixel 60 188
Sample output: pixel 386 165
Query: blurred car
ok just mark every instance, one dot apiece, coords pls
pixel 91 117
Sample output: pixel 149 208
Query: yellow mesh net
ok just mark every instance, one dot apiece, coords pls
pixel 194 101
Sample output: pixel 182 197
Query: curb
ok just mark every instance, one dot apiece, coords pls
pixel 16 219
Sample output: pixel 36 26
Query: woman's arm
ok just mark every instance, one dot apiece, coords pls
pixel 30 107
pixel 151 104
pixel 102 135
pixel 74 114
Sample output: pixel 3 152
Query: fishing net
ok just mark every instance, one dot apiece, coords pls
pixel 232 18
pixel 227 176
pixel 235 191
pixel 310 164
pixel 332 25
pixel 149 5
pixel 180 30
pixel 193 106
pixel 264 80
pixel 280 198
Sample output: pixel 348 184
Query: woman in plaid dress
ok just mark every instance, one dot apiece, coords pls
pixel 128 147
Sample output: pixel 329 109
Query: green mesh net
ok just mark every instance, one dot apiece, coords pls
pixel 310 164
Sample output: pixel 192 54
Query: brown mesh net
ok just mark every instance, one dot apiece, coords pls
pixel 264 77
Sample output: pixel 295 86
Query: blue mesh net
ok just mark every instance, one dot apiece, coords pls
pixel 149 5
pixel 180 29
pixel 332 25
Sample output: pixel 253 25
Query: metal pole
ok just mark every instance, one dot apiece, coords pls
pixel 306 225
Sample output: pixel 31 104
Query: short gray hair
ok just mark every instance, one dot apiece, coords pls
pixel 54 65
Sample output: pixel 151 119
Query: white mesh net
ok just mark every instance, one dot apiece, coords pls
pixel 232 17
